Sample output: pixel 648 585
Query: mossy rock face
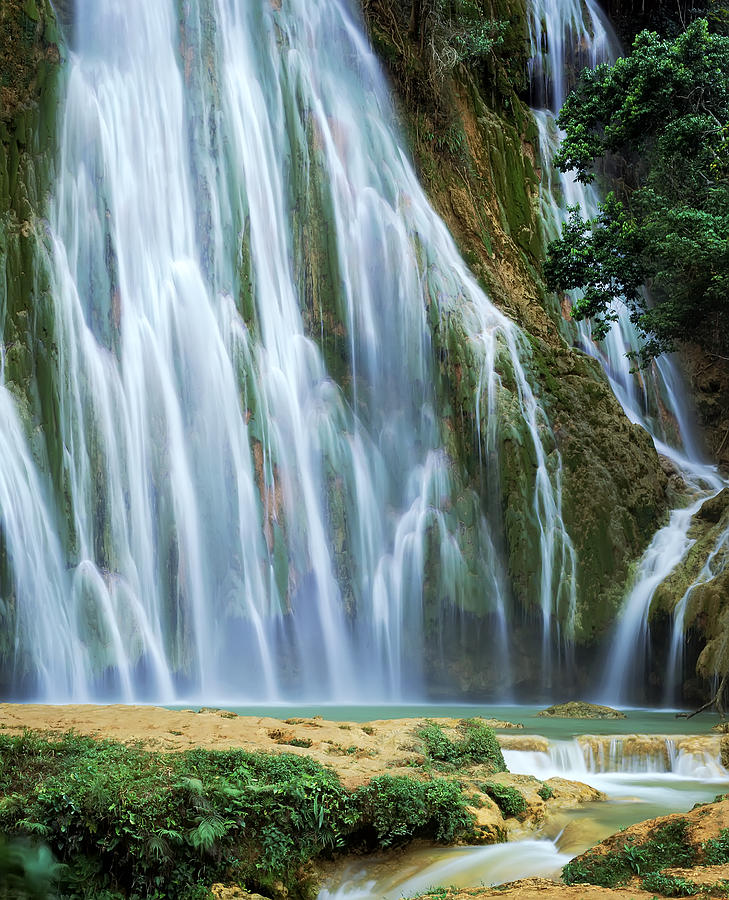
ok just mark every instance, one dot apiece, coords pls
pixel 578 709
pixel 30 58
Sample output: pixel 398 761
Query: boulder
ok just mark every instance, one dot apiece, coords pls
pixel 578 709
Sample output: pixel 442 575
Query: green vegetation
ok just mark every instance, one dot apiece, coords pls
pixel 477 746
pixel 667 846
pixel 545 792
pixel 660 118
pixel 716 850
pixel 454 31
pixel 510 801
pixel 398 808
pixel 675 886
pixel 139 824
pixel 669 885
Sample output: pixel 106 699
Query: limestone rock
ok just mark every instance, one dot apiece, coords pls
pixel 577 709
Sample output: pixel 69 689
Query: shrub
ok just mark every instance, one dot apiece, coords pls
pixel 478 745
pixel 716 850
pixel 400 808
pixel 670 885
pixel 508 799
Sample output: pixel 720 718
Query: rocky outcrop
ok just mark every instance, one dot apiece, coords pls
pixel 578 709
pixel 708 379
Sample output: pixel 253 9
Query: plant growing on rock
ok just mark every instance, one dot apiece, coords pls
pixel 478 745
pixel 509 800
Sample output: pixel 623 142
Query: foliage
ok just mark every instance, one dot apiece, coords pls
pixel 458 32
pixel 545 792
pixel 478 745
pixel 510 801
pixel 667 846
pixel 669 885
pixel 398 808
pixel 716 850
pixel 126 821
pixel 661 117
pixel 425 42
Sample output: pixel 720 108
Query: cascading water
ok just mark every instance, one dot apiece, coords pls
pixel 588 756
pixel 247 479
pixel 565 37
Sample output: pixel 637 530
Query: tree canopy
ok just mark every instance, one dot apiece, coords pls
pixel 658 122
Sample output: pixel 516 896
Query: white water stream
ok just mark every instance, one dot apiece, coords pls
pixel 642 776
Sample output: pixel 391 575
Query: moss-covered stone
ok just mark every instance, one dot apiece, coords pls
pixel 578 709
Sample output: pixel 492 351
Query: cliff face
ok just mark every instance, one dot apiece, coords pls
pixel 474 144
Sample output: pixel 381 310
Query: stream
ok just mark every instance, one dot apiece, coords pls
pixel 600 753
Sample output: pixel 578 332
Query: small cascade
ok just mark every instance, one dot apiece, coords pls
pixel 587 755
pixel 249 487
pixel 565 37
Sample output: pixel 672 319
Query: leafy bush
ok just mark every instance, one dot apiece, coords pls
pixel 667 846
pixel 545 792
pixel 716 850
pixel 134 823
pixel 670 885
pixel 508 799
pixel 400 808
pixel 477 746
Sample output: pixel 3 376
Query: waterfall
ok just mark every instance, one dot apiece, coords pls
pixel 246 485
pixel 566 36
pixel 588 755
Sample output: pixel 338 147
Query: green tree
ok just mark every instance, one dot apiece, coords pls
pixel 657 119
